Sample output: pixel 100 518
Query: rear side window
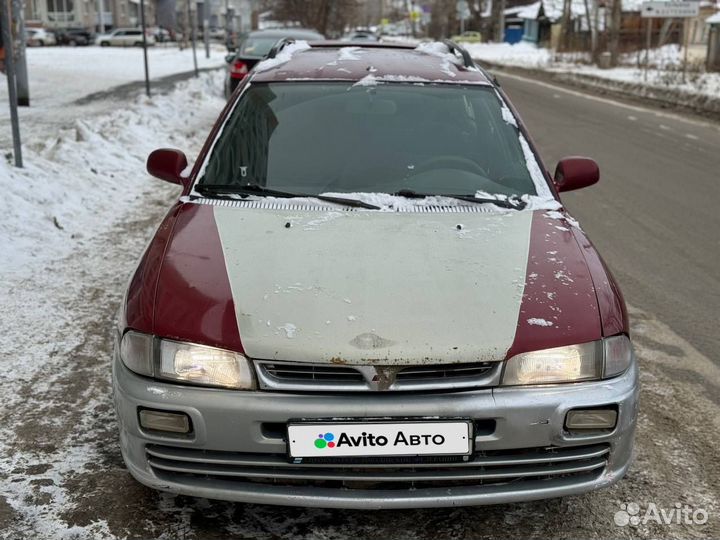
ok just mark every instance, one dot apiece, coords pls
pixel 331 137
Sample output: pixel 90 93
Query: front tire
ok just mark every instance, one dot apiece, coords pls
pixel 104 44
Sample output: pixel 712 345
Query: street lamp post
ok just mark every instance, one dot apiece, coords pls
pixel 5 18
pixel 144 41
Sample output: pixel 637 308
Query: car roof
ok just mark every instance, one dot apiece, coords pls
pixel 332 60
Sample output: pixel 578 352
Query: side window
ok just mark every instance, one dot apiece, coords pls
pixel 119 33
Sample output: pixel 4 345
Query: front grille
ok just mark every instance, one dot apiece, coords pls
pixel 311 373
pixel 292 376
pixel 191 466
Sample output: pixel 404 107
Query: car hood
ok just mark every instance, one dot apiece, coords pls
pixel 337 286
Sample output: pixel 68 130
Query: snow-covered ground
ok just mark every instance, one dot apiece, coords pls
pixel 87 174
pixel 60 75
pixel 72 223
pixel 665 62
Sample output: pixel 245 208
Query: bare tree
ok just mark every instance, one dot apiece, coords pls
pixel 614 34
pixel 476 10
pixel 495 28
pixel 328 17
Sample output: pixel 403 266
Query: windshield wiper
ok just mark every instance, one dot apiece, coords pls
pixel 512 203
pixel 255 189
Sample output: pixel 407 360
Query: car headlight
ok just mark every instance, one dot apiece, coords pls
pixel 185 362
pixel 605 358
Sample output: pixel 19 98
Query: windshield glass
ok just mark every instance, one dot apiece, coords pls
pixel 257 46
pixel 317 138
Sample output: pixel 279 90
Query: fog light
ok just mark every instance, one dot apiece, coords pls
pixel 591 419
pixel 173 422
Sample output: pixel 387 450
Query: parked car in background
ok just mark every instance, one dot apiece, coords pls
pixel 218 34
pixel 370 295
pixel 160 34
pixel 125 37
pixel 254 46
pixel 74 36
pixel 39 37
pixel 361 35
pixel 468 37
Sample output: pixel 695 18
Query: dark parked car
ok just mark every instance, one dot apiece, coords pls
pixel 74 36
pixel 254 46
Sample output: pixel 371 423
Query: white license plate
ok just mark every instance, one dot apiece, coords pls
pixel 328 439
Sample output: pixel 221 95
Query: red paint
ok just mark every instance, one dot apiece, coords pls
pixel 613 312
pixel 558 288
pixel 576 173
pixel 138 309
pixel 238 70
pixel 194 300
pixel 323 64
pixel 167 164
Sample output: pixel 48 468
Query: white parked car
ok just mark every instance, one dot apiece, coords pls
pixel 39 37
pixel 124 37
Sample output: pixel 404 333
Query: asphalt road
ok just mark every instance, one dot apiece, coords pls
pixel 655 215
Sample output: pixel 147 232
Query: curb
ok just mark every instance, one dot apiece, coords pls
pixel 708 107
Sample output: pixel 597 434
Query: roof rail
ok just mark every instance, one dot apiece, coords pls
pixel 468 61
pixel 454 48
pixel 279 46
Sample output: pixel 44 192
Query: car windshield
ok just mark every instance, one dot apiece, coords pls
pixel 316 138
pixel 258 46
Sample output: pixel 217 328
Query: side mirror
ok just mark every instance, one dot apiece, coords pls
pixel 229 57
pixel 168 164
pixel 575 173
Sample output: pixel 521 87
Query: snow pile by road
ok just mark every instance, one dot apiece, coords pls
pixel 88 175
pixel 665 63
pixel 64 74
pixel 520 54
pixel 73 221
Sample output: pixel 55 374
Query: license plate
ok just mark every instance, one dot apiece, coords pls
pixel 331 439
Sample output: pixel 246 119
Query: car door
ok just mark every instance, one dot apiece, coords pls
pixel 133 37
pixel 117 38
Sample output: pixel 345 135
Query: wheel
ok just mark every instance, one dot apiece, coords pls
pixel 138 43
pixel 72 43
pixel 104 43
pixel 41 43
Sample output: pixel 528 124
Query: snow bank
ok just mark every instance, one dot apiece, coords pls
pixel 520 54
pixel 665 62
pixel 85 178
pixel 64 74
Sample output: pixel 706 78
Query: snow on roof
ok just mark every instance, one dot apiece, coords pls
pixel 713 19
pixel 530 12
pixel 553 9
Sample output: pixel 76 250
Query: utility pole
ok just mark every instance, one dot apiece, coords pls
pixel 7 36
pixel 192 35
pixel 22 85
pixel 101 25
pixel 144 36
pixel 206 27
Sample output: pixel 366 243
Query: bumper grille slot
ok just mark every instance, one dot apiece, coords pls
pixel 186 465
pixel 311 373
pixel 293 376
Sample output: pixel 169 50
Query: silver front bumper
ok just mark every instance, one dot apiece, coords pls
pixel 237 451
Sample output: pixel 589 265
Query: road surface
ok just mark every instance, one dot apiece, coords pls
pixel 654 218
